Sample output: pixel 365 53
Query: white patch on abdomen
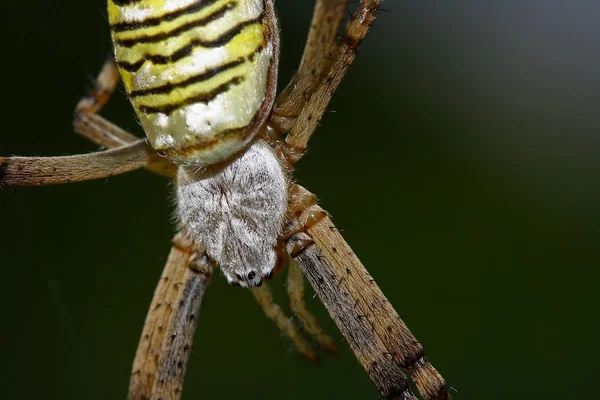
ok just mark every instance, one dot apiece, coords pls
pixel 143 11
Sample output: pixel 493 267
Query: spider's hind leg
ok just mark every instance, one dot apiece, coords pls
pixel 300 200
pixel 264 297
pixel 295 289
pixel 302 124
pixel 103 89
pixel 88 123
pixel 86 120
pixel 326 20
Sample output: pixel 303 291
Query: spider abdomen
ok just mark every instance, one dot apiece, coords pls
pixel 235 212
pixel 200 74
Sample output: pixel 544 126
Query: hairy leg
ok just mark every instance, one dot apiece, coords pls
pixel 381 341
pixel 324 26
pixel 295 289
pixel 342 57
pixel 38 171
pixel 263 296
pixel 165 346
pixel 86 120
pixel 103 89
pixel 107 134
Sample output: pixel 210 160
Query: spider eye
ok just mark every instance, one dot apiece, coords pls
pixel 251 275
pixel 239 277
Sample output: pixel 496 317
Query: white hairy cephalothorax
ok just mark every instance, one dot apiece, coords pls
pixel 235 211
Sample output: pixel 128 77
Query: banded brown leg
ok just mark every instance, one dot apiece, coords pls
pixel 133 153
pixel 264 298
pixel 325 23
pixel 88 123
pixel 104 87
pixel 107 134
pixel 295 289
pixel 343 55
pixel 377 335
pixel 86 120
pixel 166 343
pixel 286 324
pixel 38 171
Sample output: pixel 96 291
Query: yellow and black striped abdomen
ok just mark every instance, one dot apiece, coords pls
pixel 200 73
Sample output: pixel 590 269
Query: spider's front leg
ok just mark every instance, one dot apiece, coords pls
pixel 161 359
pixel 381 341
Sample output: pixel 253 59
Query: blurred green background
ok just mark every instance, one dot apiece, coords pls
pixel 462 164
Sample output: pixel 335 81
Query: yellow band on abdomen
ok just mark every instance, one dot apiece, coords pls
pixel 199 74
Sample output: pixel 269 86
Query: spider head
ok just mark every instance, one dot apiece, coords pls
pixel 257 263
pixel 252 279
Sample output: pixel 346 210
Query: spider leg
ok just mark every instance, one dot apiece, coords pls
pixel 38 171
pixel 98 96
pixel 86 120
pixel 325 23
pixel 99 130
pixel 295 289
pixel 344 53
pixel 380 339
pixel 165 346
pixel 128 152
pixel 107 134
pixel 264 297
pixel 104 87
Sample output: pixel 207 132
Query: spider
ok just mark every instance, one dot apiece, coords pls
pixel 263 154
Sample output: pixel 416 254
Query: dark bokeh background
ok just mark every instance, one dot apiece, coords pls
pixel 462 165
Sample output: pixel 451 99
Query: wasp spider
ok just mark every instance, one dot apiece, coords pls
pixel 201 76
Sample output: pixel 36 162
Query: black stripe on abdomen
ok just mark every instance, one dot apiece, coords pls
pixel 157 20
pixel 186 50
pixel 169 87
pixel 122 3
pixel 198 98
pixel 177 31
